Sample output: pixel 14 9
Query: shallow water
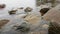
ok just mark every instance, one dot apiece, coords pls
pixel 7 29
pixel 10 4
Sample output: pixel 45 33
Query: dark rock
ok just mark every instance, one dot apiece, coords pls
pixel 12 12
pixel 2 5
pixel 24 27
pixel 43 11
pixel 54 28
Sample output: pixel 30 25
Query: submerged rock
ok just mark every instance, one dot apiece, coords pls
pixel 24 27
pixel 28 9
pixel 3 22
pixel 32 19
pixel 2 6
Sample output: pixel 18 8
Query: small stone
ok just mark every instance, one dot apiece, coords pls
pixel 28 9
pixel 12 12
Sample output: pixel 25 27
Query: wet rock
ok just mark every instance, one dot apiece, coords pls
pixel 28 9
pixel 3 22
pixel 12 12
pixel 2 6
